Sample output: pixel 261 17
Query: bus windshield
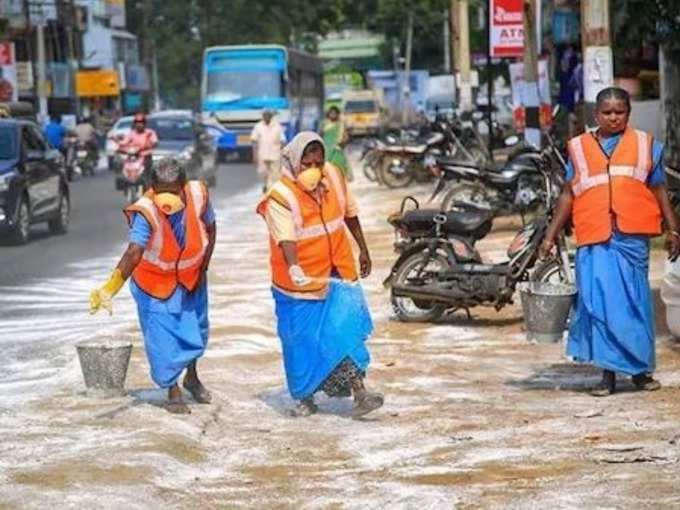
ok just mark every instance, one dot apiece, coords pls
pixel 368 106
pixel 234 85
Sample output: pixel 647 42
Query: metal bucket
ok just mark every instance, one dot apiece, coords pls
pixel 546 308
pixel 104 364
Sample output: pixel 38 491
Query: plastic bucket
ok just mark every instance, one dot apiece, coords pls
pixel 104 364
pixel 546 308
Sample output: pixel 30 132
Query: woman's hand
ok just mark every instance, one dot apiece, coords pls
pixel 546 248
pixel 365 263
pixel 673 245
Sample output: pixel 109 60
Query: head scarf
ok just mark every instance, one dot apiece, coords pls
pixel 291 155
pixel 168 170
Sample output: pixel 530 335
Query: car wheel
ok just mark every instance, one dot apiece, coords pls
pixel 59 224
pixel 22 223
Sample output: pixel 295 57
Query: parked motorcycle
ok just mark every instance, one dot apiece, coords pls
pixel 415 225
pixel 515 187
pixel 446 272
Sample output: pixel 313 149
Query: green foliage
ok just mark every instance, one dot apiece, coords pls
pixel 181 29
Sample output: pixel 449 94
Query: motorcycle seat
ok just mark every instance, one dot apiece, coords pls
pixel 468 222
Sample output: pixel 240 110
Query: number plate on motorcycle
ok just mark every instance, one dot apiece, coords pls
pixel 82 154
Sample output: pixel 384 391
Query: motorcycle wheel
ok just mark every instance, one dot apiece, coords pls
pixel 368 167
pixel 467 193
pixel 416 310
pixel 392 180
pixel 551 271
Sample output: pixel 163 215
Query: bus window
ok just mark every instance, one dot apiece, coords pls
pixel 238 84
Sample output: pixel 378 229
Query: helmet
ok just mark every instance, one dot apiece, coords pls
pixel 139 118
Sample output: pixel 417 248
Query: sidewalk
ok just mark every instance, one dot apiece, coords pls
pixel 475 417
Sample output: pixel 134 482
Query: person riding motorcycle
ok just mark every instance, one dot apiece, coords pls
pixel 141 138
pixel 87 136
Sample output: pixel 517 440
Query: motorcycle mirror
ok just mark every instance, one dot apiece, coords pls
pixel 511 140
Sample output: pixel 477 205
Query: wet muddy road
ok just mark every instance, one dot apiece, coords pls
pixel 475 417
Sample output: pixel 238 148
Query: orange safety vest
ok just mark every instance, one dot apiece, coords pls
pixel 612 192
pixel 165 264
pixel 322 241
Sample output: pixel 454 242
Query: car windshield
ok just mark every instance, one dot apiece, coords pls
pixel 236 85
pixel 172 129
pixel 124 124
pixel 8 143
pixel 360 107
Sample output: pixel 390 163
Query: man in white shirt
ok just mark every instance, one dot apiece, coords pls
pixel 267 138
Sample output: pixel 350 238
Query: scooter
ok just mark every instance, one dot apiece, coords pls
pixel 85 161
pixel 133 184
pixel 445 272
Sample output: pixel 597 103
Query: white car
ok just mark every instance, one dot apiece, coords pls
pixel 121 128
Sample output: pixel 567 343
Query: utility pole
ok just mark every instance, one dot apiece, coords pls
pixel 464 64
pixel 446 29
pixel 530 95
pixel 598 69
pixel 42 72
pixel 147 47
pixel 67 16
pixel 407 71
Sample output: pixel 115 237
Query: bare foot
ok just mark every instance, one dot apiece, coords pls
pixel 177 406
pixel 198 391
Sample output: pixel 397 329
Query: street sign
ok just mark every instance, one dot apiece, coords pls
pixel 598 71
pixel 506 32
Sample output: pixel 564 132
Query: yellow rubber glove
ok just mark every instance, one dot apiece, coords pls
pixel 103 296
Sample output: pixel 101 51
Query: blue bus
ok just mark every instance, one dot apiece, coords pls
pixel 239 82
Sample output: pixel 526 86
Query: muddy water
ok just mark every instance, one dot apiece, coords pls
pixel 475 417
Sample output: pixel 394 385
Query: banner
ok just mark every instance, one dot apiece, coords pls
pixel 506 28
pixel 9 90
pixel 518 94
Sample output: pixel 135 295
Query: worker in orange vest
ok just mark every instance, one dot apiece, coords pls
pixel 323 318
pixel 172 236
pixel 617 199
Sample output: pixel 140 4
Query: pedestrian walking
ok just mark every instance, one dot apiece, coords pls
pixel 171 236
pixel 268 137
pixel 335 139
pixel 616 196
pixel 323 321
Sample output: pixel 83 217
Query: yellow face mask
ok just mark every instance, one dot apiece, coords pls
pixel 310 178
pixel 168 203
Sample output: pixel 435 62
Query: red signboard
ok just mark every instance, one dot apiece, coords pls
pixel 507 28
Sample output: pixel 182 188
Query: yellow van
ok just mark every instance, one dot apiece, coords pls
pixel 361 112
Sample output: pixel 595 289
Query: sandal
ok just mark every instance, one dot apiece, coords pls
pixel 367 403
pixel 607 386
pixel 644 382
pixel 305 408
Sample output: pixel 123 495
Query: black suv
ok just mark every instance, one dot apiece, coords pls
pixel 33 184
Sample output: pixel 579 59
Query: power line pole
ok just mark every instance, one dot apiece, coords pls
pixel 147 48
pixel 462 38
pixel 598 68
pixel 407 71
pixel 530 95
pixel 446 29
